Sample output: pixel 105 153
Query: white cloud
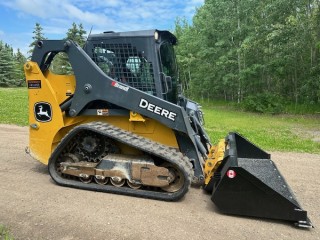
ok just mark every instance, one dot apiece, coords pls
pixel 16 41
pixel 103 15
pixel 97 4
pixel 38 8
pixel 53 30
pixel 116 13
pixel 73 12
pixel 56 9
pixel 191 6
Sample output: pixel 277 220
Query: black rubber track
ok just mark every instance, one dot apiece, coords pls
pixel 146 145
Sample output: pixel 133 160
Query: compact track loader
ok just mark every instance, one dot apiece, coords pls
pixel 109 117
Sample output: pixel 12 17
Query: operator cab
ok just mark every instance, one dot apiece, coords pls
pixel 144 60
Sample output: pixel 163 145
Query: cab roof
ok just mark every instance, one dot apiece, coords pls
pixel 164 34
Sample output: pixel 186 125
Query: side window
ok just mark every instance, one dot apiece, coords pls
pixel 168 60
pixel 140 68
pixel 133 64
pixel 124 63
pixel 104 58
pixel 145 72
pixel 61 65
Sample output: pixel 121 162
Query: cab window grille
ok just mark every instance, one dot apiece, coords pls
pixel 125 64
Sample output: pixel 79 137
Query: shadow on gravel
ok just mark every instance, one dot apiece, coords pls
pixel 40 168
pixel 211 207
pixel 215 210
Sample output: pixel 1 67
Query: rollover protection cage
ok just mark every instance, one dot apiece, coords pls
pixel 249 183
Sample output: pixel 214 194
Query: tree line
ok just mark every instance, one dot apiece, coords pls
pixel 11 63
pixel 11 66
pixel 244 50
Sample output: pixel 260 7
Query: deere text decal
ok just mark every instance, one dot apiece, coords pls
pixel 157 110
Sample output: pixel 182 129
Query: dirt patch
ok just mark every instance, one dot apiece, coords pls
pixel 313 134
pixel 33 207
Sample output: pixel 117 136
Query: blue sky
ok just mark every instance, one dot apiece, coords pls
pixel 18 17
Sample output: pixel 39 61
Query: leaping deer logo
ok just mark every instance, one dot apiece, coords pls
pixel 43 113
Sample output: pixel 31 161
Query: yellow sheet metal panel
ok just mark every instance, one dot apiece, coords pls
pixel 215 157
pixel 62 85
pixel 48 125
pixel 45 117
pixel 150 129
pixel 136 117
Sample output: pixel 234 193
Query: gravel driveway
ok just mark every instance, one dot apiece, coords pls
pixel 32 206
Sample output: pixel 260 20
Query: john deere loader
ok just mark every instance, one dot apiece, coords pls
pixel 110 117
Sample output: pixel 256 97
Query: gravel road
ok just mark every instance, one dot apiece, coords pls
pixel 32 206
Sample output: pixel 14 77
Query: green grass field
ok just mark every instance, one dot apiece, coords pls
pixel 4 233
pixel 280 132
pixel 14 106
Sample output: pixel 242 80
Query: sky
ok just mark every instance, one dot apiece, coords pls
pixel 18 17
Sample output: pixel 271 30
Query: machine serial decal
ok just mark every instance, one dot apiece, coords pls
pixel 34 84
pixel 157 110
pixel 102 112
pixel 120 86
pixel 42 111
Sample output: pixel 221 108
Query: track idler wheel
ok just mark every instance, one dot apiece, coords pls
pixel 176 178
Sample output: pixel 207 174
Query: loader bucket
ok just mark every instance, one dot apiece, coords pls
pixel 248 183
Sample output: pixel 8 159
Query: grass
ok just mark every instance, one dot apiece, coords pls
pixel 14 106
pixel 303 109
pixel 4 233
pixel 287 132
pixel 270 132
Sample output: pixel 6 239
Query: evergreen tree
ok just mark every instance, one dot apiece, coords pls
pixel 60 64
pixel 8 71
pixel 20 60
pixel 19 57
pixel 82 33
pixel 76 33
pixel 37 36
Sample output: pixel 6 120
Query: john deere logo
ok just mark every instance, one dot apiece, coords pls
pixel 43 111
